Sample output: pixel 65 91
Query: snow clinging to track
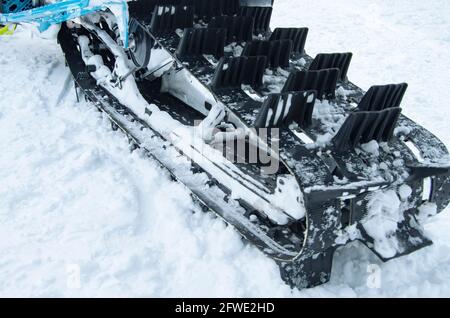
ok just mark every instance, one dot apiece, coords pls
pixel 82 216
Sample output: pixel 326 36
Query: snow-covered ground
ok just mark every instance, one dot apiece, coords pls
pixel 74 200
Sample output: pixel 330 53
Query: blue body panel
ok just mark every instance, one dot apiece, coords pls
pixel 19 12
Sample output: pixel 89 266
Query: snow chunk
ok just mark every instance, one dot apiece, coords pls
pixel 372 148
pixel 402 130
pixel 287 189
pixel 341 91
pixel 426 211
pixel 382 221
pixel 404 191
pixel 350 233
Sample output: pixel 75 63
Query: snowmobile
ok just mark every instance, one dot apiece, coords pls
pixel 280 145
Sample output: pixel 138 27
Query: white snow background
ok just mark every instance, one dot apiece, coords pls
pixel 73 200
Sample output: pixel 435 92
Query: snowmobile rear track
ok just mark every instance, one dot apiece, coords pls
pixel 331 209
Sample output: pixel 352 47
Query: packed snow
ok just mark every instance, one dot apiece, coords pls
pixel 81 215
pixel 382 221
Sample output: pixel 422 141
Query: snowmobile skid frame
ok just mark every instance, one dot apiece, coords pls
pixel 201 73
